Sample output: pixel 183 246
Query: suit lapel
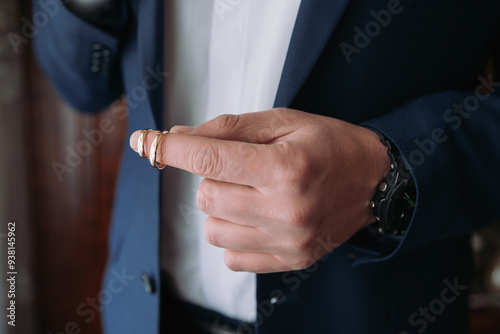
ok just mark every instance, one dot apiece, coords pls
pixel 316 21
pixel 151 43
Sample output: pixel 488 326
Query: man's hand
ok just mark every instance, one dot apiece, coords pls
pixel 282 187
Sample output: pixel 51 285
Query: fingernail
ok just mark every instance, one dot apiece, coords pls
pixel 182 129
pixel 133 140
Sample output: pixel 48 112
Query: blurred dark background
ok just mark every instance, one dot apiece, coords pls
pixel 62 204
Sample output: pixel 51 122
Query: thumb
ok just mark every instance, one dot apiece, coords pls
pixel 259 127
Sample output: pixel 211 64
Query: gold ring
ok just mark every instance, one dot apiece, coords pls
pixel 154 148
pixel 140 143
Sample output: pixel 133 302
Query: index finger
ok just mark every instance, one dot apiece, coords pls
pixel 221 160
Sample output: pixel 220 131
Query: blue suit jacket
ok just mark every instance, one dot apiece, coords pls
pixel 407 74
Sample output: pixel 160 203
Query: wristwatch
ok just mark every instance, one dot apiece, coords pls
pixel 395 197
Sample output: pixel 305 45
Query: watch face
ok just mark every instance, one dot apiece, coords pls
pixel 401 210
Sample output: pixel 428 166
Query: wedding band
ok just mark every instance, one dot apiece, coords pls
pixel 140 143
pixel 154 148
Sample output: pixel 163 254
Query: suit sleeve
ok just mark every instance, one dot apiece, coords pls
pixel 81 59
pixel 451 142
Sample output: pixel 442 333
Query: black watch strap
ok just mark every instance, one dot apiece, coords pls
pixel 395 196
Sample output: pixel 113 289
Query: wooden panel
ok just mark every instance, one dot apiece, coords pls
pixel 77 161
pixel 74 162
pixel 14 167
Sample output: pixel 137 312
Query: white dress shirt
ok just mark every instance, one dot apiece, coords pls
pixel 225 57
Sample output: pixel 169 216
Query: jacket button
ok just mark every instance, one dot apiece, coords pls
pixel 277 300
pixel 147 283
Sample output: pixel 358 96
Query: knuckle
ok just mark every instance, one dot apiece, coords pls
pixel 205 161
pixel 205 199
pixel 286 116
pixel 295 263
pixel 304 262
pixel 210 234
pixel 300 172
pixel 304 244
pixel 297 172
pixel 299 217
pixel 279 262
pixel 226 121
pixel 280 113
pixel 300 261
pixel 231 261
